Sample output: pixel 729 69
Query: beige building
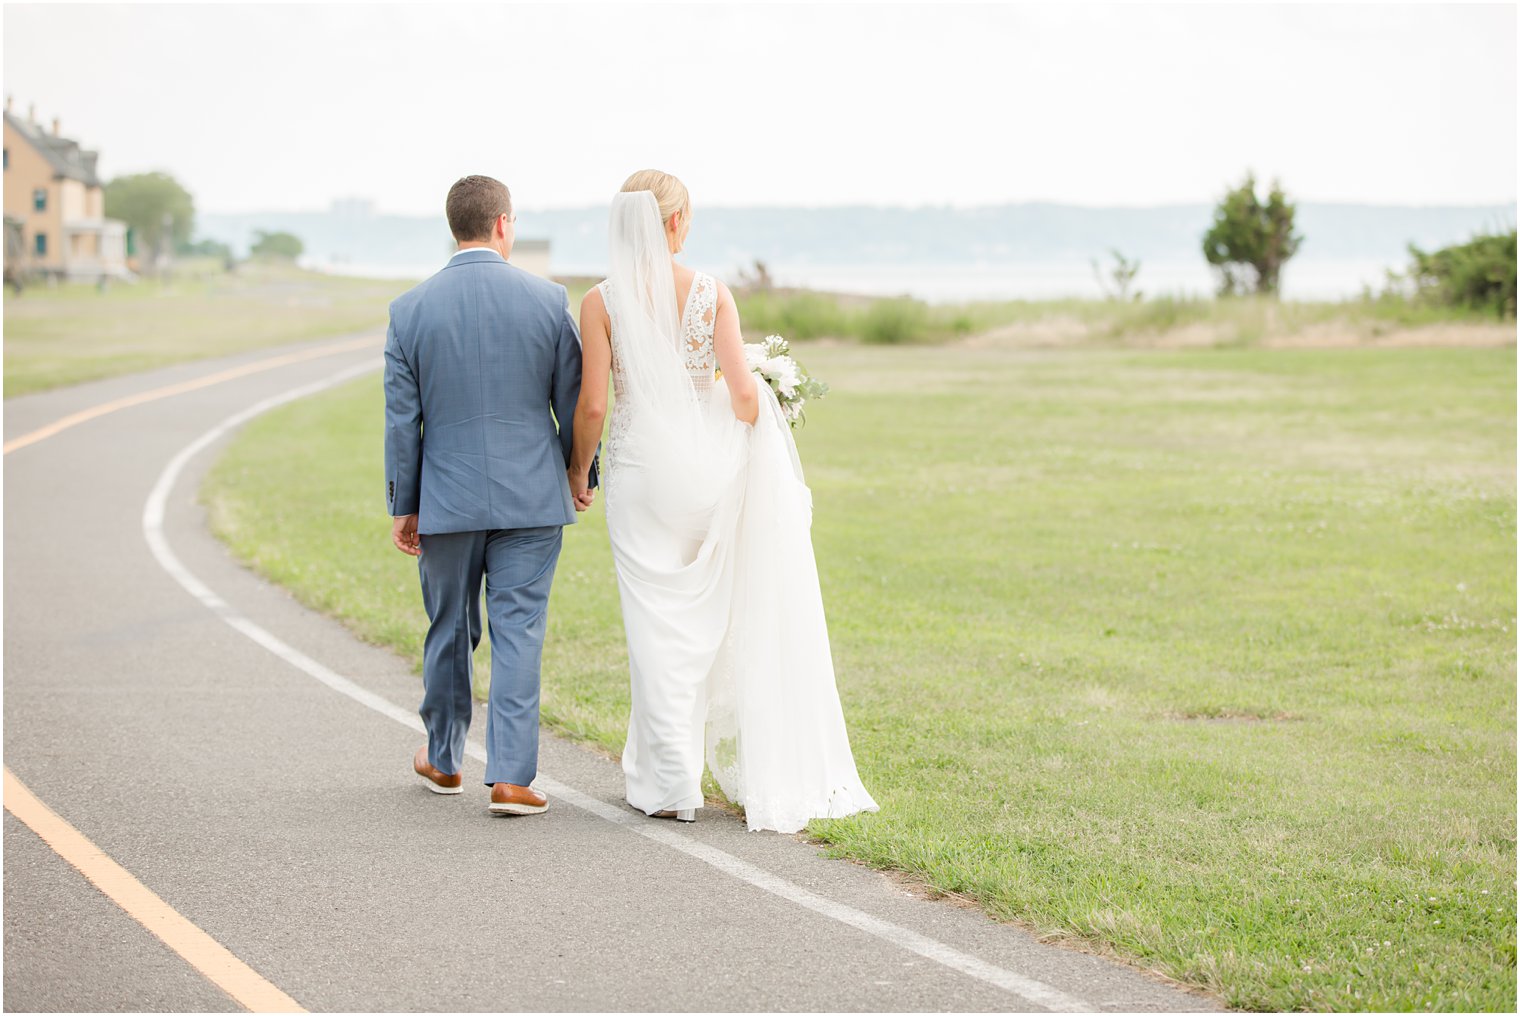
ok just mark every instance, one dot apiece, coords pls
pixel 55 207
pixel 531 256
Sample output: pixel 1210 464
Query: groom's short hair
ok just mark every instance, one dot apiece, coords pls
pixel 474 205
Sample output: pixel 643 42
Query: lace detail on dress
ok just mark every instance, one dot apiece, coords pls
pixel 618 427
pixel 698 322
pixel 697 325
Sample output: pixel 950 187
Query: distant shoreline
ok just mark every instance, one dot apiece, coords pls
pixel 941 255
pixel 1303 279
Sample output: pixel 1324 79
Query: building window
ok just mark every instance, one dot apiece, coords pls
pixel 7 158
pixel 41 245
pixel 39 199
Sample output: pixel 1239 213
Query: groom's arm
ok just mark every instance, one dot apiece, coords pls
pixel 403 428
pixel 567 385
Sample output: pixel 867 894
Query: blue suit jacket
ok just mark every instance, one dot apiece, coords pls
pixel 482 372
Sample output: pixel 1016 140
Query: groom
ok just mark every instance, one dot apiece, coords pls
pixel 475 466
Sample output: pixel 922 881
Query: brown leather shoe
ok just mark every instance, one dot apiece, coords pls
pixel 439 782
pixel 507 799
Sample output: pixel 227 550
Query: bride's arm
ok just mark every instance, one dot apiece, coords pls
pixel 591 408
pixel 728 343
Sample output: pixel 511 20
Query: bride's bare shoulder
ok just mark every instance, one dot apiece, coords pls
pixel 592 302
pixel 724 295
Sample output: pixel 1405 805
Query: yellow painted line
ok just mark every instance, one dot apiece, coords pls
pixel 200 950
pixel 95 412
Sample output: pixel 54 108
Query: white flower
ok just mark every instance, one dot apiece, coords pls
pixel 772 360
pixel 783 373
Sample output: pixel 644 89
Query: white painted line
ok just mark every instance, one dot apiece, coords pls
pixel 1016 984
pixel 1026 988
pixel 127 402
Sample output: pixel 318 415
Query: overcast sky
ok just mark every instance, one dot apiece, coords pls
pixel 286 107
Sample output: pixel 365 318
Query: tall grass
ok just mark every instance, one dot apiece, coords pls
pixel 893 322
pixel 1225 322
pixel 798 315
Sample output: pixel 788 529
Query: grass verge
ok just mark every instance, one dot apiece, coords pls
pixel 72 333
pixel 1203 657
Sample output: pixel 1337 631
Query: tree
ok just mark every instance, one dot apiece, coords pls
pixel 276 246
pixel 160 211
pixel 1120 277
pixel 1250 241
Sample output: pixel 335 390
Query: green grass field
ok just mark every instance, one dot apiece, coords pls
pixel 1203 658
pixel 72 333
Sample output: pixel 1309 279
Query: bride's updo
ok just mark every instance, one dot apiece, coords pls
pixel 668 191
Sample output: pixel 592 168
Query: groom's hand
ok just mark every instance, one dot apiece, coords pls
pixel 404 535
pixel 580 490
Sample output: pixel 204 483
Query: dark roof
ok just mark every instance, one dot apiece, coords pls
pixel 64 155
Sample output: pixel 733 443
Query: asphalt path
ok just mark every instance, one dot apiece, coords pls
pixel 248 762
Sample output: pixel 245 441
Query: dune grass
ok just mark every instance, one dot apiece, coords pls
pixel 1204 658
pixel 71 333
pixel 1241 321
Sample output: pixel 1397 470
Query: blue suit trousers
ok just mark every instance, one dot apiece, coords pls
pixel 517 567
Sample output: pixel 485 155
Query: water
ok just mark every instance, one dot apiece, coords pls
pixel 1324 280
pixel 955 283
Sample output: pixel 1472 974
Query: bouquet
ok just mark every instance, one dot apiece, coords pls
pixel 772 360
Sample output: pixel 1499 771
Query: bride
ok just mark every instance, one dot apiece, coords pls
pixel 709 520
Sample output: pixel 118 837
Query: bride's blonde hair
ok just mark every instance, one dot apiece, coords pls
pixel 667 190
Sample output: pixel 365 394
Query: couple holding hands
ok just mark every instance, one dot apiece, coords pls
pixel 495 404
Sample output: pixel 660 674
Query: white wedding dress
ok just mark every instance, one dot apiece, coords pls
pixel 709 520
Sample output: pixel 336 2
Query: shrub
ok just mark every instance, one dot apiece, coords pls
pixel 276 246
pixel 1478 275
